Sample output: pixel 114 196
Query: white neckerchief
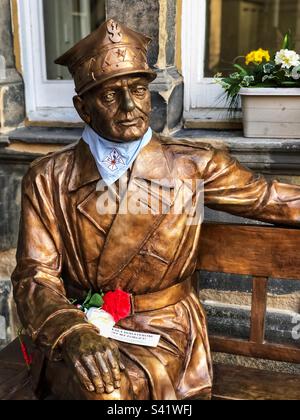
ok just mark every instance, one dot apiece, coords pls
pixel 113 159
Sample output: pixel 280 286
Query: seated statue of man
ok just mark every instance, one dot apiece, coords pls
pixel 69 246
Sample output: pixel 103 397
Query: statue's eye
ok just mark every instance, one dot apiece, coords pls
pixel 109 96
pixel 139 91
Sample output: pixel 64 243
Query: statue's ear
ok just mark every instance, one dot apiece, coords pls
pixel 81 109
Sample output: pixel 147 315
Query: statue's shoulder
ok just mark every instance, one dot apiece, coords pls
pixel 51 166
pixel 197 153
pixel 191 156
pixel 64 154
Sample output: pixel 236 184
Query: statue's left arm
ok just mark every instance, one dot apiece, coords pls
pixel 232 188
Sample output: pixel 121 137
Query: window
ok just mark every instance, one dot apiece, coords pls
pixel 217 31
pixel 49 28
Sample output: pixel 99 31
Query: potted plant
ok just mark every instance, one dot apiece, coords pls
pixel 269 88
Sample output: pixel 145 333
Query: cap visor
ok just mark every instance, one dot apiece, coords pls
pixel 151 75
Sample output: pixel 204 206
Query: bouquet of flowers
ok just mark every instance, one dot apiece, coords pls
pixel 104 310
pixel 263 69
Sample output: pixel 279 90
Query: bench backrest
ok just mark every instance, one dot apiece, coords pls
pixel 263 253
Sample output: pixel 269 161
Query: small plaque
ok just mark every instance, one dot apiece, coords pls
pixel 134 337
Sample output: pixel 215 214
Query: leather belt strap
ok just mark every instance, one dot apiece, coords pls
pixel 162 298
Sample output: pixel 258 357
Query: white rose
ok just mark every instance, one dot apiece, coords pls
pixel 102 320
pixel 287 59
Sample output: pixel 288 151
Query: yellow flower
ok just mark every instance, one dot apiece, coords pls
pixel 257 56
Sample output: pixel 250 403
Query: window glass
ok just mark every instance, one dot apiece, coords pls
pixel 66 22
pixel 235 27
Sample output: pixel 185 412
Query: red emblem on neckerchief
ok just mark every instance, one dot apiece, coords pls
pixel 114 161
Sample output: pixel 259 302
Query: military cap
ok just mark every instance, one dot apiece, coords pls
pixel 111 50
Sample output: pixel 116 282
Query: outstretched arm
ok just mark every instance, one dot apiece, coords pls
pixel 232 188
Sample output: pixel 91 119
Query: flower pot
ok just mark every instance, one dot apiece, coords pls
pixel 271 112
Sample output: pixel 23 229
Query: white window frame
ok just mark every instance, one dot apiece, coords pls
pixel 201 93
pixel 46 100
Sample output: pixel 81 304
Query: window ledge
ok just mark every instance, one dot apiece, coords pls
pixel 269 155
pixel 28 143
pixel 3 141
pixel 45 135
pixel 235 141
pixel 212 118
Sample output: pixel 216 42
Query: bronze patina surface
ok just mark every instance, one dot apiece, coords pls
pixel 67 248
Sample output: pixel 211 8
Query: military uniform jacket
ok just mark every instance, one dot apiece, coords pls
pixel 66 247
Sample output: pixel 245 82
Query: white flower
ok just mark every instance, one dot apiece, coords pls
pixel 102 320
pixel 287 59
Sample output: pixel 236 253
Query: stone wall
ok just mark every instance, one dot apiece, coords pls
pixel 6 42
pixel 11 173
pixel 140 15
pixel 12 108
pixel 11 114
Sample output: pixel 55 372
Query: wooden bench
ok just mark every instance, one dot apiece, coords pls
pixel 263 253
pixel 15 381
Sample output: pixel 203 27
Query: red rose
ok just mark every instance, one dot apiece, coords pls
pixel 117 304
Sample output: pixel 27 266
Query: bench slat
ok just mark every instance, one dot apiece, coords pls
pixel 250 250
pixel 258 309
pixel 234 383
pixel 261 351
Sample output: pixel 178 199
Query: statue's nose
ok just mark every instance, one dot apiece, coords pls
pixel 128 104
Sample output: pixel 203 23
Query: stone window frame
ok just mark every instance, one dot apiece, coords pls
pixel 46 100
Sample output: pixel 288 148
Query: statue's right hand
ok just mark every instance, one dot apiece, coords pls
pixel 95 360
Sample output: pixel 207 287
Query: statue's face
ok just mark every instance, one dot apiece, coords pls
pixel 119 109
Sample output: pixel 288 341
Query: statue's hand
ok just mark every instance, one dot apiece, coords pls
pixel 95 359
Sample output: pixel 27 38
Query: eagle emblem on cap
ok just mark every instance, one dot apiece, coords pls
pixel 114 31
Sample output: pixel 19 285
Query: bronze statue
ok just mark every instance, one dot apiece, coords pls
pixel 66 247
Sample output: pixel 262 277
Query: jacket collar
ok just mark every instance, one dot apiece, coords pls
pixel 151 164
pixel 84 170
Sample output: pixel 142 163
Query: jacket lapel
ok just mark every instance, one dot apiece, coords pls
pixel 130 231
pixel 85 181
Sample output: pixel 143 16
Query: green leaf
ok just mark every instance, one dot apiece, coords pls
pixel 96 301
pixel 88 298
pixel 287 41
pixel 289 83
pixel 241 69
